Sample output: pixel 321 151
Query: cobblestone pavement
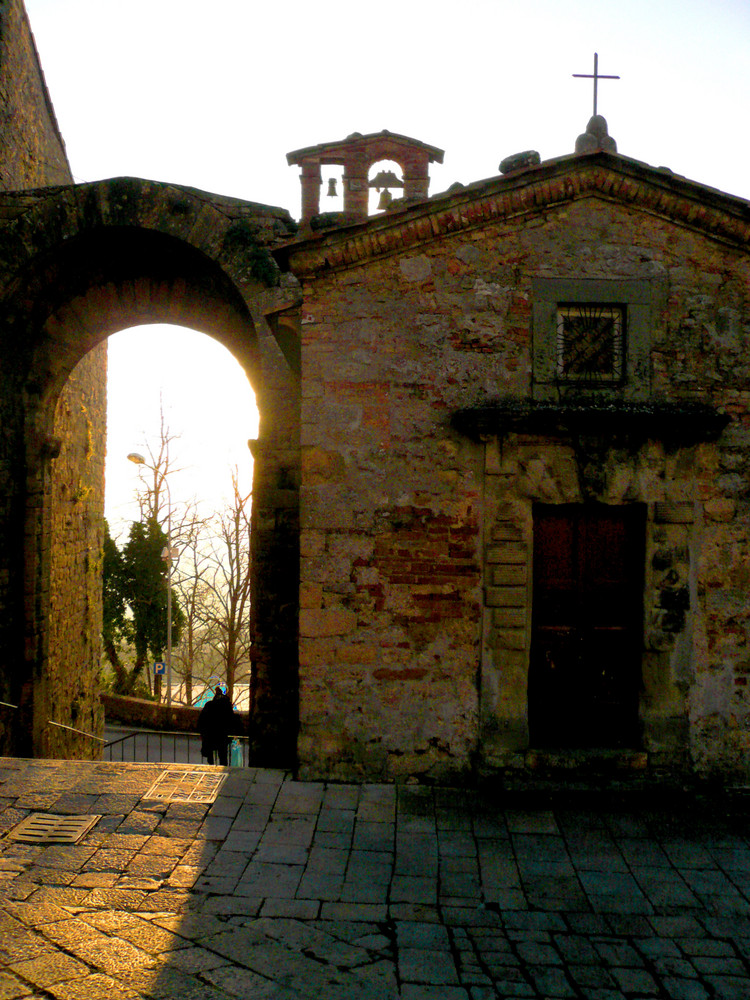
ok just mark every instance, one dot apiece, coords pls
pixel 283 890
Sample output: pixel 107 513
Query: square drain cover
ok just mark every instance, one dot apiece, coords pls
pixel 46 828
pixel 186 786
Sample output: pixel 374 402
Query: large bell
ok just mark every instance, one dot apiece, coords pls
pixel 385 200
pixel 331 187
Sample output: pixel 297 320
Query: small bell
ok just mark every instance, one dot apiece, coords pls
pixel 385 200
pixel 331 187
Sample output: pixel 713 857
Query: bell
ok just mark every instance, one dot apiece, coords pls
pixel 331 187
pixel 385 200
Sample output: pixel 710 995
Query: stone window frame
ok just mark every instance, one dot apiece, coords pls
pixel 637 297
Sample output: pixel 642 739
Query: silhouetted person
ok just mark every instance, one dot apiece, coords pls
pixel 215 723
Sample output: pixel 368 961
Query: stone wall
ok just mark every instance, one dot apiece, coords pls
pixel 390 597
pixel 275 547
pixel 416 540
pixel 70 687
pixel 141 714
pixel 32 153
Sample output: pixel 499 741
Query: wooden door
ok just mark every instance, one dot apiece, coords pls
pixel 584 675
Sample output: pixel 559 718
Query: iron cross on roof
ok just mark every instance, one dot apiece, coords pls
pixel 596 76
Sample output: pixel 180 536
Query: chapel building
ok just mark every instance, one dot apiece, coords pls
pixel 524 481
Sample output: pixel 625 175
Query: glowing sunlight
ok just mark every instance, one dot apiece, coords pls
pixel 209 409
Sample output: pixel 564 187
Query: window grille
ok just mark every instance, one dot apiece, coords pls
pixel 590 343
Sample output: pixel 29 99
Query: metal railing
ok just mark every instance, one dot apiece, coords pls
pixel 72 729
pixel 157 746
pixel 154 746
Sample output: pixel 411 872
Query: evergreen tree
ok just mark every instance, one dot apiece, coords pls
pixel 135 588
pixel 114 608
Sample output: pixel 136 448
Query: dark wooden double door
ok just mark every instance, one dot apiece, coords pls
pixel 585 669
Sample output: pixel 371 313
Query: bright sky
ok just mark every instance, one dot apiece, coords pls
pixel 214 95
pixel 207 403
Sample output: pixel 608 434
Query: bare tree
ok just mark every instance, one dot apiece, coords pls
pixel 154 501
pixel 138 581
pixel 191 656
pixel 226 593
pixel 211 582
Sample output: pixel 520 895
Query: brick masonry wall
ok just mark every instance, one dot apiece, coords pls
pixel 405 669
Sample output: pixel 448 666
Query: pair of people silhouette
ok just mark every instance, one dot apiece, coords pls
pixel 215 723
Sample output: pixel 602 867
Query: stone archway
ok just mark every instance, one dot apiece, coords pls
pixel 86 262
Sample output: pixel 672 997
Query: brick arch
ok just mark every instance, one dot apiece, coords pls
pixel 91 261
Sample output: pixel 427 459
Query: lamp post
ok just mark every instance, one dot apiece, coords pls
pixel 168 553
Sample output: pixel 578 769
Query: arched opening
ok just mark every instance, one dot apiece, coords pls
pixel 386 184
pixel 332 188
pixel 63 307
pixel 181 401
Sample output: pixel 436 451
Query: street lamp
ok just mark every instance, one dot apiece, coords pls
pixel 168 553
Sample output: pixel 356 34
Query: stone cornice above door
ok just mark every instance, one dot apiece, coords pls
pixel 625 424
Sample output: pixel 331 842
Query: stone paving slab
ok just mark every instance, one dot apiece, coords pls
pixel 285 890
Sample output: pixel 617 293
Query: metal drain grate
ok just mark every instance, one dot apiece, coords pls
pixel 46 828
pixel 186 786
